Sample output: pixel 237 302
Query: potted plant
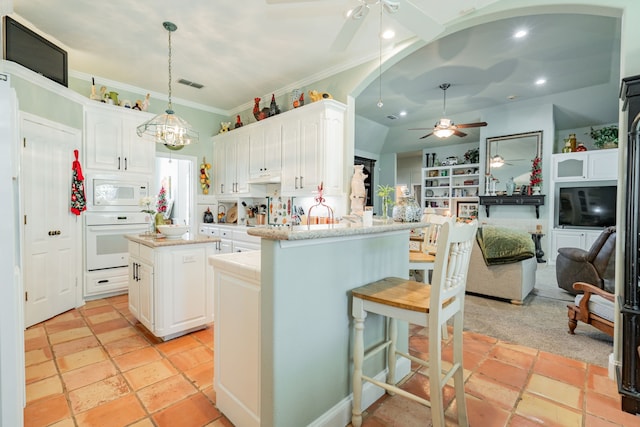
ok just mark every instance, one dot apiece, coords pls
pixel 385 192
pixel 605 136
pixel 536 175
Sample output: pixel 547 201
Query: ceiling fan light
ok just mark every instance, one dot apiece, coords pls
pixel 497 161
pixel 443 133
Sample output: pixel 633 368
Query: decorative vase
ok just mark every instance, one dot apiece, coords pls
pixel 407 210
pixel 511 186
pixel 152 225
pixel 535 190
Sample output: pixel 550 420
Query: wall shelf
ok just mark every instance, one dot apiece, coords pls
pixel 515 200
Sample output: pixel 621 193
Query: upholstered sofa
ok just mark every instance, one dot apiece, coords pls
pixel 510 280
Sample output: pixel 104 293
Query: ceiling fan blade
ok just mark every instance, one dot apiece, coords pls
pixel 427 135
pixel 348 31
pixel 416 21
pixel 288 1
pixel 458 133
pixel 472 125
pixel 420 128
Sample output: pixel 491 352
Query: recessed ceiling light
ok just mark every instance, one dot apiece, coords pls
pixel 520 34
pixel 541 81
pixel 388 34
pixel 403 113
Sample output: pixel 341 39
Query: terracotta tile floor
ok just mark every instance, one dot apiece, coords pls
pixel 97 366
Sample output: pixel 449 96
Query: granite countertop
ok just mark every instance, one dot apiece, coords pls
pixel 303 232
pixel 244 263
pixel 161 241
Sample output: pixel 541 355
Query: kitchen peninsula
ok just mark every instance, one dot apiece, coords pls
pixel 170 283
pixel 283 321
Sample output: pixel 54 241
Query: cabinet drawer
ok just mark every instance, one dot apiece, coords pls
pixel 146 253
pixel 103 283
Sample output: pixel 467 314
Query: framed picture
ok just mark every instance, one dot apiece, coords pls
pixel 467 210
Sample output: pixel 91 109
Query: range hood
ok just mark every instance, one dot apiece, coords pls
pixel 265 179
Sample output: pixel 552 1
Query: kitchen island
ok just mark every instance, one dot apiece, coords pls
pixel 170 283
pixel 283 322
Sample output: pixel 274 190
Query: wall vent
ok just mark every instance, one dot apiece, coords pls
pixel 392 117
pixel 192 84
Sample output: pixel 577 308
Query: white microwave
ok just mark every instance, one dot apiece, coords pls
pixel 119 193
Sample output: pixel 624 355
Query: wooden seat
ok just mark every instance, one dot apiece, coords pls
pixel 582 310
pixel 421 304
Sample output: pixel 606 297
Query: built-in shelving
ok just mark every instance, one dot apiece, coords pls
pixel 451 189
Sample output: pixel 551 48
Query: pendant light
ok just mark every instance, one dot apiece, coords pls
pixel 380 103
pixel 167 128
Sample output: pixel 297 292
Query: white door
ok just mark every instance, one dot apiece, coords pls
pixel 51 232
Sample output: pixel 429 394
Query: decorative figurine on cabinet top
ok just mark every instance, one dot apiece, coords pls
pixel 256 108
pixel 224 127
pixel 318 96
pixel 239 123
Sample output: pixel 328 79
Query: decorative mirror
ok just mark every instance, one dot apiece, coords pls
pixel 510 156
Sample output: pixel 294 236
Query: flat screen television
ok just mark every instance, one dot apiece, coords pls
pixel 23 46
pixel 587 206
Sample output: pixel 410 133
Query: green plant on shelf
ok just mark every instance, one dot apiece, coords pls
pixel 604 136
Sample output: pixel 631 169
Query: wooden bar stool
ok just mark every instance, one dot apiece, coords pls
pixel 421 304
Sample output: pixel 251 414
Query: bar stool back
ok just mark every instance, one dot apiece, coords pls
pixel 421 304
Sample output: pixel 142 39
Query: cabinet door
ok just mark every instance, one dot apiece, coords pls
pixel 290 155
pixel 145 295
pixel 311 156
pixel 134 289
pixel 242 163
pixel 569 167
pixel 104 141
pixel 603 165
pixel 138 152
pixel 256 151
pixel 273 148
pixel 220 168
pixel 230 153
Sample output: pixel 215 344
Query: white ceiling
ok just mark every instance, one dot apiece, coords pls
pixel 265 46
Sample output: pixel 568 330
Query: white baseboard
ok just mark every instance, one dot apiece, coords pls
pixel 612 367
pixel 340 414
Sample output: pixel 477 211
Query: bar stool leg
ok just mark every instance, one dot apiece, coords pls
pixel 435 374
pixel 458 376
pixel 391 352
pixel 358 357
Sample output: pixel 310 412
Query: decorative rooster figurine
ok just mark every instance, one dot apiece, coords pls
pixel 256 108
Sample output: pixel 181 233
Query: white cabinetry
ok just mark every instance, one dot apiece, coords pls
pixel 237 343
pixel 443 187
pixel 313 149
pixel 265 156
pixel 231 156
pixel 168 288
pixel 112 142
pixel 598 165
pixel 141 284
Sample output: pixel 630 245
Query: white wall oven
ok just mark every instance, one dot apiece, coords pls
pixel 105 242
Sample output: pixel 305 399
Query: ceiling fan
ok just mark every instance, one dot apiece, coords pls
pixel 406 13
pixel 444 127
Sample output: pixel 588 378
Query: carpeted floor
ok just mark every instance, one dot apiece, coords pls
pixel 541 322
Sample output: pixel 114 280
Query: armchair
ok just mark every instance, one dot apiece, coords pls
pixel 594 307
pixel 595 266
